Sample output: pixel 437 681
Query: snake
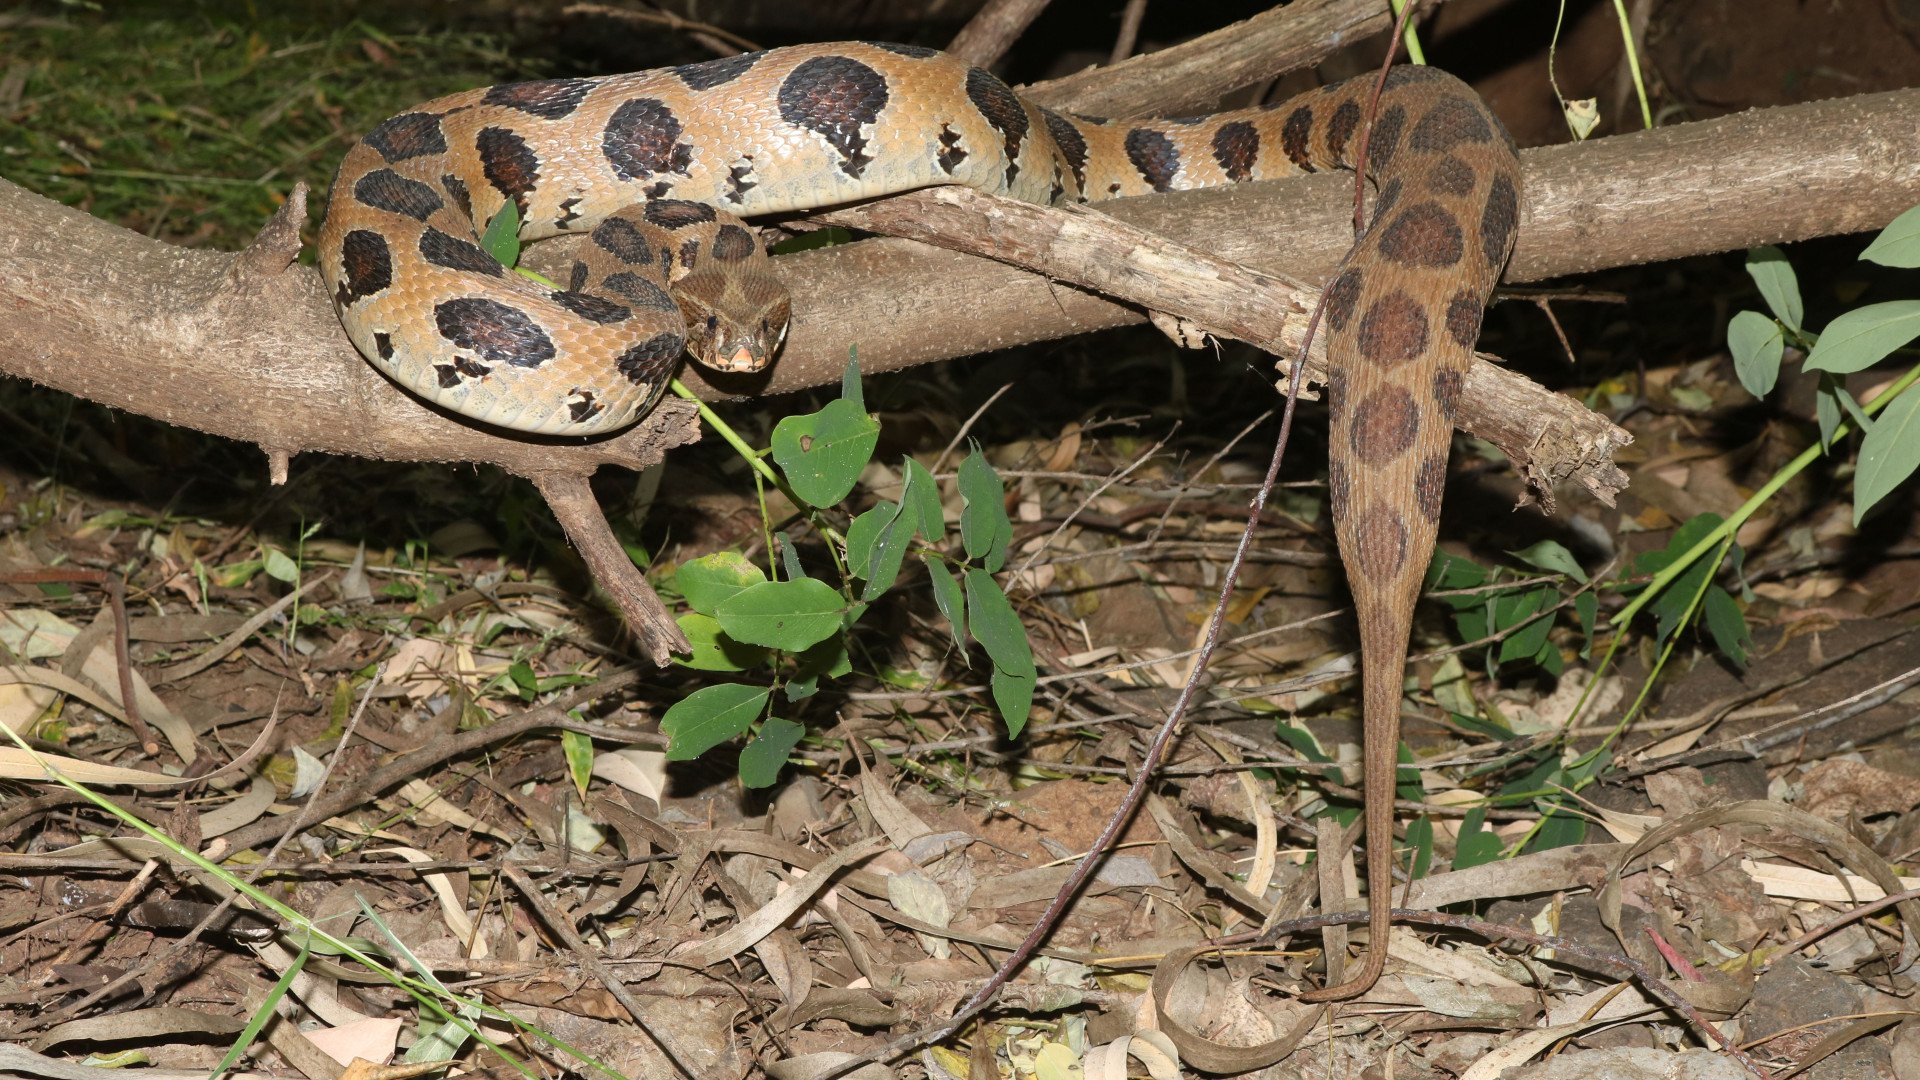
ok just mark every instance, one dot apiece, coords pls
pixel 660 170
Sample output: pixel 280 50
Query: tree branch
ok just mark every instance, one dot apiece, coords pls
pixel 241 345
pixel 1766 176
pixel 247 346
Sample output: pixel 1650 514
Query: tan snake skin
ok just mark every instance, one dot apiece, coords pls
pixel 659 167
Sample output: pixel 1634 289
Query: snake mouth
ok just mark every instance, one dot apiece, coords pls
pixel 740 359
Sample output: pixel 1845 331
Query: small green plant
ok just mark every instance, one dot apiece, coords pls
pixel 1682 586
pixel 1854 341
pixel 1510 620
pixel 1673 605
pixel 1678 583
pixel 1513 617
pixel 796 626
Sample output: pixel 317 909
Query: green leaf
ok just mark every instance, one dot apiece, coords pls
pixel 1585 768
pixel 711 579
pixel 863 536
pixel 710 716
pixel 1757 344
pixel 877 543
pixel 1826 408
pixel 1774 275
pixel 1889 453
pixel 1553 557
pixel 1300 741
pixel 1406 778
pixel 1420 838
pixel 995 626
pixel 766 754
pixel 578 750
pixel 1515 608
pixel 502 238
pixel 788 615
pixel 281 568
pixel 1690 532
pixel 1691 398
pixel 1476 845
pixel 985 531
pixel 822 453
pixel 524 681
pixel 1014 696
pixel 1558 828
pixel 267 1010
pixel 1899 243
pixel 1450 571
pixel 1673 604
pixel 1000 633
pixel 920 500
pixel 1489 726
pixel 789 556
pixel 850 383
pixel 713 650
pixel 1549 659
pixel 563 680
pixel 1544 775
pixel 1727 625
pixel 949 598
pixel 1474 623
pixel 1674 601
pixel 829 659
pixel 1854 412
pixel 1864 336
pixel 1529 640
pixel 888 555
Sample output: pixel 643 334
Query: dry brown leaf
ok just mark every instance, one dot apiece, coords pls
pixel 1840 789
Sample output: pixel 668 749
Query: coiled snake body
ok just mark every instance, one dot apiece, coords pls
pixel 659 167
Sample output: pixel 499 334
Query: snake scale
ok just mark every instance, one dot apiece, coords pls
pixel 659 168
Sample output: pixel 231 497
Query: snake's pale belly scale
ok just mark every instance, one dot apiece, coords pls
pixel 658 168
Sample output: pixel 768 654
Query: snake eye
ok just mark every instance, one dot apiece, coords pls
pixel 713 323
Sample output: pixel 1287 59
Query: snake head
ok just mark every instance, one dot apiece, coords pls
pixel 734 323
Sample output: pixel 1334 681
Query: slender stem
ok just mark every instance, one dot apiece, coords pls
pixel 725 431
pixel 1633 62
pixel 1409 35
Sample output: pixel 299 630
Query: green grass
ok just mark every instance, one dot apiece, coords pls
pixel 192 121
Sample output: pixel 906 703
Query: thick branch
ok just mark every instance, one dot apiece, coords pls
pixel 993 29
pixel 238 349
pixel 570 497
pixel 1549 437
pixel 245 346
pixel 1764 176
pixel 1195 74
